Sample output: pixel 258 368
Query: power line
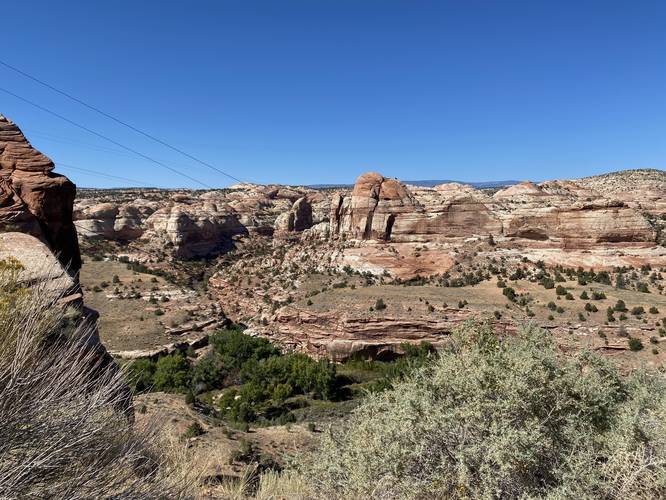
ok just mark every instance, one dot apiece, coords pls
pixel 117 120
pixel 65 140
pixel 83 127
pixel 102 174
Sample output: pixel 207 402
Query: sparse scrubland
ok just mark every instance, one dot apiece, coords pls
pixel 487 416
pixel 509 418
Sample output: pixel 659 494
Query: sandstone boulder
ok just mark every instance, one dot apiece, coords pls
pixel 32 193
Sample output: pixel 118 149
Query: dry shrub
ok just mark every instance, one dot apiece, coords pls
pixel 502 419
pixel 65 430
pixel 268 485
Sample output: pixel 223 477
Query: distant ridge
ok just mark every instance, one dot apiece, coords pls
pixel 427 183
pixel 478 185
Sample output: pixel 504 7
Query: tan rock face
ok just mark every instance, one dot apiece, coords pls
pixel 299 218
pixel 372 210
pixel 191 224
pixel 643 189
pixel 34 199
pixel 40 265
pixel 192 232
pixel 557 214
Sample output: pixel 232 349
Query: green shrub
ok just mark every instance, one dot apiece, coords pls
pixel 501 419
pixel 193 430
pixel 208 373
pixel 635 344
pixel 547 283
pixel 140 374
pixel 509 293
pixel 379 305
pixel 637 311
pixel 268 382
pixel 236 348
pixel 172 373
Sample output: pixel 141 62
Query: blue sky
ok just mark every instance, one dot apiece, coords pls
pixel 319 91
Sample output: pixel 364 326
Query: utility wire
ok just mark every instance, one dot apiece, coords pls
pixel 102 174
pixel 83 127
pixel 73 142
pixel 117 120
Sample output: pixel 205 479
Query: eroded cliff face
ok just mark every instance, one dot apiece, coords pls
pixel 556 214
pixel 35 200
pixel 191 224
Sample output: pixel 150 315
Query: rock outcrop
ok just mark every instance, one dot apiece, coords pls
pixel 339 336
pixel 35 200
pixel 642 189
pixel 191 224
pixel 298 219
pixel 583 222
pixel 376 208
pixel 557 214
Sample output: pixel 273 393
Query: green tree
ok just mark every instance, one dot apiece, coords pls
pixel 208 373
pixel 172 373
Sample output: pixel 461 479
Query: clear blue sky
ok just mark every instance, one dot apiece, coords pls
pixel 319 91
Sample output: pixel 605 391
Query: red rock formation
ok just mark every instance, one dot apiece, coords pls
pixel 34 199
pixel 557 214
pixel 338 335
pixel 372 210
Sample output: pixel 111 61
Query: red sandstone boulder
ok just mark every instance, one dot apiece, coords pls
pixel 36 197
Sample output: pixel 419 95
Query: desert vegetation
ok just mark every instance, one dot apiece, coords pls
pixel 66 412
pixel 245 379
pixel 501 418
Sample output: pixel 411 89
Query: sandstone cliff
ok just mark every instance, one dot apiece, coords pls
pixel 556 214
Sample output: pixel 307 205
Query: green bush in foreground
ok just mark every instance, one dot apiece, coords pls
pixel 501 419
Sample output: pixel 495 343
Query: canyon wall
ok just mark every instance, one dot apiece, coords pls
pixel 556 214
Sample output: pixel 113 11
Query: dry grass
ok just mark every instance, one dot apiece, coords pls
pixel 66 425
